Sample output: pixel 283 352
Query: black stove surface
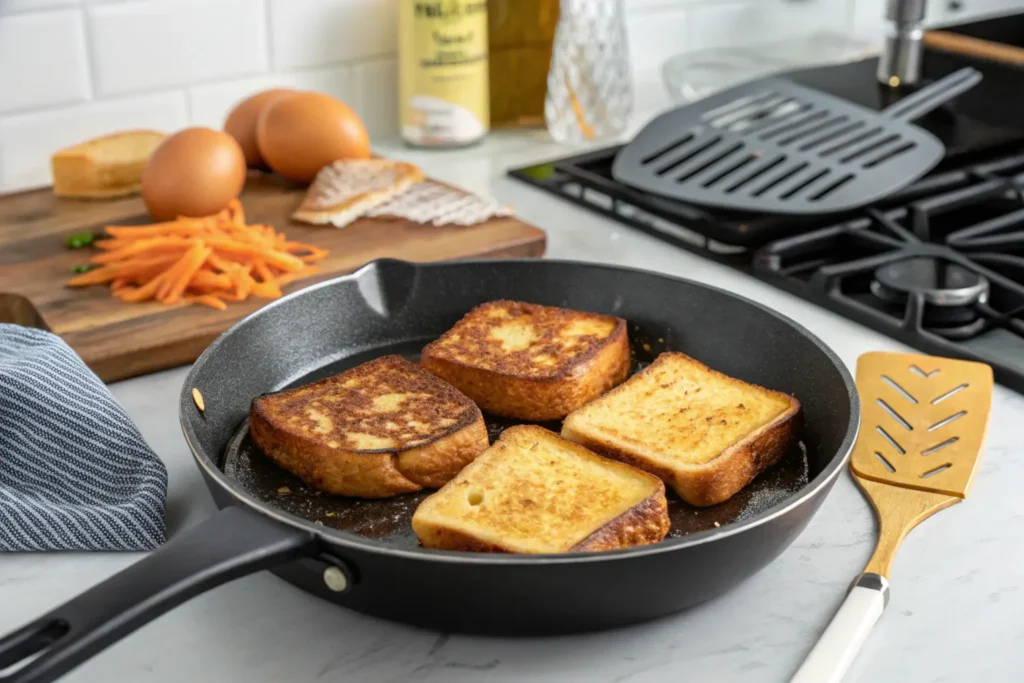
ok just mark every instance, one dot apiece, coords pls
pixel 938 266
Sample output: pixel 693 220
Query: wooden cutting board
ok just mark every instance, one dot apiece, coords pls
pixel 119 340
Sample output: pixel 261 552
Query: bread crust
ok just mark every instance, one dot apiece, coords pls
pixel 369 473
pixel 724 475
pixel 78 174
pixel 645 523
pixel 342 212
pixel 510 392
pixel 642 525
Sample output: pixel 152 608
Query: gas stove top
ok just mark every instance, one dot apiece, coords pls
pixel 938 266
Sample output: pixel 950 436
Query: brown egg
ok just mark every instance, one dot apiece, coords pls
pixel 301 133
pixel 241 122
pixel 195 172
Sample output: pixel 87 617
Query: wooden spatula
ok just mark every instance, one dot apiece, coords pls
pixel 923 421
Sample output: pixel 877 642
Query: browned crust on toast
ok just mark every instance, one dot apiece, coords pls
pixel 324 462
pixel 727 473
pixel 517 388
pixel 645 523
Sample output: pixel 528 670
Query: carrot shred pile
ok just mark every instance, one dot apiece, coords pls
pixel 206 261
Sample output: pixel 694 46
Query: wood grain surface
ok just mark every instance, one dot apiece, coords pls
pixel 948 41
pixel 119 340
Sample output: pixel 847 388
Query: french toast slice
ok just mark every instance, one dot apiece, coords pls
pixel 706 434
pixel 379 429
pixel 528 361
pixel 534 492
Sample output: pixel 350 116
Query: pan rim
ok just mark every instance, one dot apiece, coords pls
pixel 349 540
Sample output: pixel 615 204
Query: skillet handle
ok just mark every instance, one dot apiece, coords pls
pixel 231 544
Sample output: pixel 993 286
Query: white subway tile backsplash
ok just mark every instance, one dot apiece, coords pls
pixel 762 21
pixel 315 32
pixel 210 103
pixel 156 44
pixel 28 140
pixel 714 25
pixel 375 85
pixel 43 60
pixel 655 37
pixel 655 5
pixel 72 69
pixel 15 6
pixel 868 16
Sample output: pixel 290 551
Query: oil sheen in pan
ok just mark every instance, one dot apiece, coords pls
pixel 389 519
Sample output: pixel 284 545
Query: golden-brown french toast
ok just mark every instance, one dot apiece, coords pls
pixel 704 433
pixel 382 428
pixel 534 492
pixel 531 362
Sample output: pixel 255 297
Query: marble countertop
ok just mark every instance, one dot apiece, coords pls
pixel 957 598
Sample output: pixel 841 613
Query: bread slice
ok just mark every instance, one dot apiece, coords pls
pixel 531 362
pixel 346 189
pixel 382 428
pixel 440 204
pixel 705 434
pixel 534 492
pixel 108 166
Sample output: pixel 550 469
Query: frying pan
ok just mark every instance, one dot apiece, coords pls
pixel 361 554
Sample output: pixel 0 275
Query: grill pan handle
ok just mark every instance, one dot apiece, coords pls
pixel 231 544
pixel 934 95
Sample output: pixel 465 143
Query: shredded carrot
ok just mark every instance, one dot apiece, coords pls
pixel 202 261
pixel 208 300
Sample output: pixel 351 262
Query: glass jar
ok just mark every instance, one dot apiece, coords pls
pixel 590 83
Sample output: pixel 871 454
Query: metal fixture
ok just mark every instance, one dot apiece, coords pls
pixel 900 61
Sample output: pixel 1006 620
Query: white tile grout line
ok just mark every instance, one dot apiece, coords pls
pixel 186 87
pixel 188 105
pixel 90 70
pixel 851 16
pixel 23 113
pixel 268 36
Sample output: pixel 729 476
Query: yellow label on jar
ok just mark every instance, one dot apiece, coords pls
pixel 443 88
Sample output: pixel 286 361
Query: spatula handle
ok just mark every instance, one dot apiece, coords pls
pixel 934 95
pixel 849 628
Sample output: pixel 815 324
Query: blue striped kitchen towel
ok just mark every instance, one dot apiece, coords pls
pixel 75 473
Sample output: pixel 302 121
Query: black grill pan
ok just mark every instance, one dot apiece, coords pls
pixel 360 553
pixel 772 146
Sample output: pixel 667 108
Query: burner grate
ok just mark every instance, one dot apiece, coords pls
pixel 938 266
pixel 945 273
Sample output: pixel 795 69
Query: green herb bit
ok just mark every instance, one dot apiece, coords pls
pixel 80 239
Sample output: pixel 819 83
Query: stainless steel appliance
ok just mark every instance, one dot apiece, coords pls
pixel 900 60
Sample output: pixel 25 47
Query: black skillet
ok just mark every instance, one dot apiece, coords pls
pixel 361 554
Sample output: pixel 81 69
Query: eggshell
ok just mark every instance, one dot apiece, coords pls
pixel 241 122
pixel 195 172
pixel 299 134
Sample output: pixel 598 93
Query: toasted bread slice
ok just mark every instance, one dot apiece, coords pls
pixel 705 434
pixel 382 428
pixel 108 166
pixel 440 204
pixel 531 362
pixel 344 190
pixel 534 492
